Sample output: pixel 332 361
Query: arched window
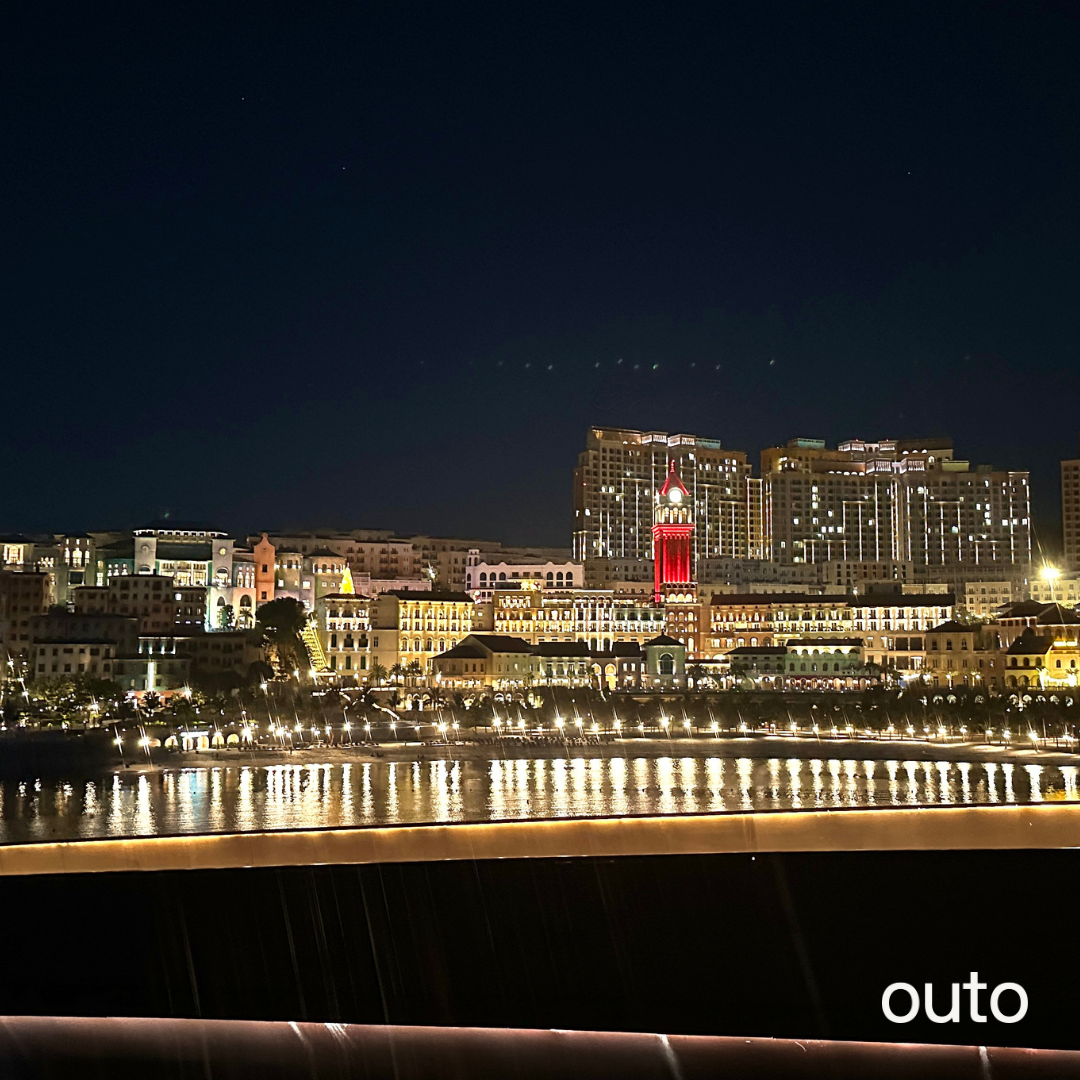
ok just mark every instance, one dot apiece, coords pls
pixel 502 575
pixel 667 664
pixel 483 575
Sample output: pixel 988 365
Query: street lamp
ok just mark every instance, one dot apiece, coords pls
pixel 1050 574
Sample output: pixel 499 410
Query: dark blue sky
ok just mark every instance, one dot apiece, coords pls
pixel 375 265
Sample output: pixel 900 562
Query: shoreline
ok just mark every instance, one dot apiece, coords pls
pixel 732 747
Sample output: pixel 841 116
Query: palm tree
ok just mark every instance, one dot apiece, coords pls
pixel 737 670
pixel 397 672
pixel 414 670
pixel 377 673
pixel 699 674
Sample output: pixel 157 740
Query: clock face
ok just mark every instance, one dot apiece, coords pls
pixel 675 495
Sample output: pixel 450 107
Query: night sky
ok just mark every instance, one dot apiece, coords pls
pixel 360 265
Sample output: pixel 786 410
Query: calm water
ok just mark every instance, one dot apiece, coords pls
pixel 239 797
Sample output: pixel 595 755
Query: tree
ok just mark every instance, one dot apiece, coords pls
pixel 226 617
pixel 699 675
pixel 377 673
pixel 281 622
pixel 414 670
pixel 738 670
pixel 259 672
pixel 397 672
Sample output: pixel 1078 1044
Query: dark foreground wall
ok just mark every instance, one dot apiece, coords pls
pixel 795 945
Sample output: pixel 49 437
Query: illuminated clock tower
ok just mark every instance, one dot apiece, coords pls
pixel 673 530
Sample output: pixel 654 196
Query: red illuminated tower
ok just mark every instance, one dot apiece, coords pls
pixel 673 529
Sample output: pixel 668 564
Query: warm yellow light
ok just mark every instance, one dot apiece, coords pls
pixel 1050 573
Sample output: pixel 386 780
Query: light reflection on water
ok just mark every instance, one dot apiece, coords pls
pixel 230 798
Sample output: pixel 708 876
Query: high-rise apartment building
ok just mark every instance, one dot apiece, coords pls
pixel 895 501
pixel 1070 511
pixel 616 480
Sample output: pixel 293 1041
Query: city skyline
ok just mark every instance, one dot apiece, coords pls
pixel 1046 541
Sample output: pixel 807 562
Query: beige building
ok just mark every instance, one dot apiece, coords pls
pixel 486 661
pixel 760 620
pixel 896 501
pixel 23 597
pixel 962 654
pixel 507 663
pixel 1056 620
pixel 893 627
pixel 617 476
pixel 1042 660
pixel 983 599
pixel 854 574
pixel 159 604
pixel 343 623
pixel 408 626
pixel 1057 589
pixel 825 664
pixel 595 616
pixel 366 551
pixel 482 578
pixel 91 658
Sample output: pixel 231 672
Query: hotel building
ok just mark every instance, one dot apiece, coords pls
pixel 615 484
pixel 896 502
pixel 1070 511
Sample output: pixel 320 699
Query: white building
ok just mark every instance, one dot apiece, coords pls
pixel 981 599
pixel 481 578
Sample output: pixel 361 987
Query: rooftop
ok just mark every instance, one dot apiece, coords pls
pixel 430 595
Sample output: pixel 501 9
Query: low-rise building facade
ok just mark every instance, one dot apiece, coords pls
pixel 595 616
pixel 410 626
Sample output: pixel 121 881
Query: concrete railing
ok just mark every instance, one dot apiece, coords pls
pixel 118 1048
pixel 922 829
